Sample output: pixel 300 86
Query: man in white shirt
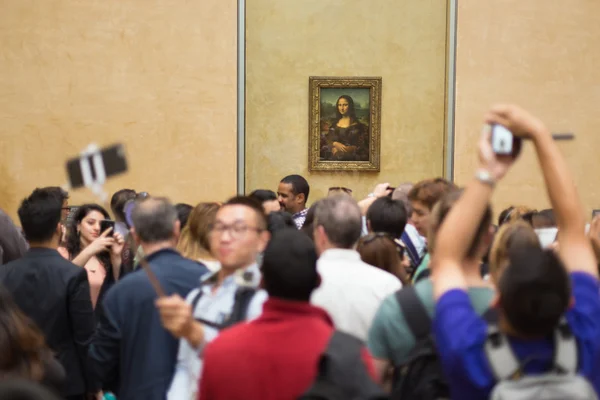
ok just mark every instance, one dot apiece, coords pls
pixel 351 290
pixel 238 235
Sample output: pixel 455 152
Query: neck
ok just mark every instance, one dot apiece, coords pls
pixel 297 210
pixel 224 273
pixel 150 248
pixel 48 244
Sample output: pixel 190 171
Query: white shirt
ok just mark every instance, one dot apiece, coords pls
pixel 351 290
pixel 212 307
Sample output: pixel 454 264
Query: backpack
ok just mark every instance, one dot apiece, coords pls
pixel 342 374
pixel 242 299
pixel 560 383
pixel 421 376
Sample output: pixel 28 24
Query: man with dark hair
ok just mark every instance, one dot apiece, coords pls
pixel 351 290
pixel 52 291
pixel 130 346
pixel 283 345
pixel 391 339
pixel 293 195
pixel 548 308
pixel 268 199
pixel 387 216
pixel 238 235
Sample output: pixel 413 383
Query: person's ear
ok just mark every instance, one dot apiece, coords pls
pixel 300 199
pixel 177 229
pixel 495 303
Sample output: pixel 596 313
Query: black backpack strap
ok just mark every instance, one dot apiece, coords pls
pixel 194 302
pixel 424 274
pixel 241 302
pixel 414 312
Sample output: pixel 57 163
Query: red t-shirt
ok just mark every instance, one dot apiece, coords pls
pixel 271 358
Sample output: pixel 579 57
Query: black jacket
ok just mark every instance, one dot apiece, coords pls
pixel 55 294
pixel 131 347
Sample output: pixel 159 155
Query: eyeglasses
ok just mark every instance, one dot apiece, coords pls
pixel 340 188
pixel 236 230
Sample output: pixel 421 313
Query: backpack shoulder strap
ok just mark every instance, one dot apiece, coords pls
pixel 242 299
pixel 414 312
pixel 565 349
pixel 503 362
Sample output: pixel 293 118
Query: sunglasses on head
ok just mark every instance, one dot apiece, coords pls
pixel 340 188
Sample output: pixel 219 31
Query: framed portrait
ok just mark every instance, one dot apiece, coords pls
pixel 344 123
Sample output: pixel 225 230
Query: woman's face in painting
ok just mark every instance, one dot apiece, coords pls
pixel 343 106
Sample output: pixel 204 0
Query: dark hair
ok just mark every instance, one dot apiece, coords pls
pixel 387 215
pixel 299 185
pixel 351 108
pixel 441 210
pixel 22 344
pixel 154 219
pixel 73 244
pixel 183 213
pixel 41 212
pixel 118 201
pixel 23 389
pixel 289 267
pixel 261 218
pixel 534 291
pixel 308 227
pixel 262 195
pixel 430 191
pixel 341 219
pixel 379 250
pixel 279 220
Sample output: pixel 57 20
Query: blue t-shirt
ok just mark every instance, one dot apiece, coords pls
pixel 461 334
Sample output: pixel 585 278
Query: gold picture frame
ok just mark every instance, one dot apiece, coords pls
pixel 344 123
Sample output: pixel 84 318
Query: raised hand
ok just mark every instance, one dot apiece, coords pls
pixel 520 122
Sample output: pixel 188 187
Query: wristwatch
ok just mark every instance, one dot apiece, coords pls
pixel 485 177
pixel 371 195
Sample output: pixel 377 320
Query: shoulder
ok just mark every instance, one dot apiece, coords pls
pixel 230 341
pixel 378 275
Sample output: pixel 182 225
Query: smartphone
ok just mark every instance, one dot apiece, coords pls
pixel 547 236
pixel 105 224
pixel 113 159
pixel 502 140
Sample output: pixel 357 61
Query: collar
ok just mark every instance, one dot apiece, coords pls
pixel 340 255
pixel 41 252
pixel 160 253
pixel 300 213
pixel 275 306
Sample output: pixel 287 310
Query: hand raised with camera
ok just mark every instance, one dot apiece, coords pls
pixel 521 123
pixel 496 165
pixel 102 242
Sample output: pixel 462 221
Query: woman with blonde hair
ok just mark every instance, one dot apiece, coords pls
pixel 194 242
pixel 509 236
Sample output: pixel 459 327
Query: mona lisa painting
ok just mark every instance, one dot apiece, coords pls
pixel 345 118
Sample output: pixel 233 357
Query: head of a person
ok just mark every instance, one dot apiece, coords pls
pixel 279 220
pixel 423 196
pixel 337 223
pixel 155 222
pixel 483 237
pixel 292 193
pixel 118 201
pixel 379 250
pixel 543 219
pixel 22 345
pixel 84 228
pixel 289 267
pixel 267 198
pixel 514 213
pixel 239 233
pixel 308 227
pixel 194 242
pixel 41 214
pixel 533 292
pixel 388 216
pixel 509 236
pixel 401 193
pixel 344 107
pixel 335 190
pixel 183 213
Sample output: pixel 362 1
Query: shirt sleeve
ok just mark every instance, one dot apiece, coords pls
pixel 379 332
pixel 460 335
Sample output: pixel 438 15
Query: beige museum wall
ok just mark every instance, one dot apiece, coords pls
pixel 158 75
pixel 286 42
pixel 543 55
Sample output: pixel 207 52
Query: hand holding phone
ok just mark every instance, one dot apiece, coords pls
pixel 504 143
pixel 107 224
